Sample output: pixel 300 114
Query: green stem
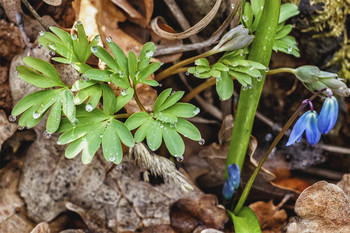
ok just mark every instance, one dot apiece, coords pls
pixel 251 180
pixel 123 115
pixel 281 70
pixel 172 69
pixel 261 52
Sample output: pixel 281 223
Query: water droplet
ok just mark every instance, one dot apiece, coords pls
pixel 124 92
pixel 251 68
pixel 180 158
pixel 109 39
pixel 149 54
pixel 196 74
pixel 172 125
pixel 121 74
pixel 218 79
pixel 119 167
pixel 98 38
pixel 172 92
pixel 242 52
pixel 268 137
pixel 197 62
pixel 250 86
pixel 187 73
pixel 84 78
pixel 201 142
pixel 12 118
pixel 266 69
pixel 264 47
pixel 94 49
pixel 290 49
pixel 112 159
pixel 89 108
pixel 262 7
pixel 20 127
pixel 75 121
pixel 244 88
pixel 234 63
pixel 46 135
pixel 52 53
pixel 260 78
pixel 233 6
pixel 78 23
pixel 52 46
pixel 245 18
pixel 101 135
pixel 39 46
pixel 41 33
pixel 160 85
pixel 196 111
pixel 36 115
pixel 162 63
pixel 74 36
pixel 226 69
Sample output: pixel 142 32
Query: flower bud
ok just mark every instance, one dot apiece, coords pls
pixel 307 74
pixel 236 38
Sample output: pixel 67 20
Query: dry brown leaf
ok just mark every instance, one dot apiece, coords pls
pixel 199 211
pixel 344 184
pixel 322 207
pixel 42 227
pixel 271 219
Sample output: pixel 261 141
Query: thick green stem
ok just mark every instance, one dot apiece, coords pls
pixel 248 102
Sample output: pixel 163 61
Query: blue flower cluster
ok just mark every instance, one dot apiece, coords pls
pixel 232 182
pixel 313 124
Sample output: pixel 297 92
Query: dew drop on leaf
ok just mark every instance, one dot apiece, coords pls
pixel 12 118
pixel 36 115
pixel 124 92
pixel 89 108
pixel 244 88
pixel 52 46
pixel 259 78
pixel 149 54
pixel 74 36
pixel 250 86
pixel 290 49
pixel 201 142
pixel 172 125
pixel 78 23
pixel 112 159
pixel 180 158
pixel 94 49
pixel 41 33
pixel 46 135
pixel 251 68
pixel 196 111
pixel 109 39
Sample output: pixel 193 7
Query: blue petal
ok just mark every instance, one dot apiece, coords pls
pixel 328 115
pixel 313 134
pixel 234 175
pixel 228 190
pixel 298 129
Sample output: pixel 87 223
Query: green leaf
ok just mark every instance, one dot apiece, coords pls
pixel 61 60
pixel 123 99
pixel 94 97
pixel 286 29
pixel 161 99
pixel 94 42
pixel 75 133
pixel 154 135
pixel 81 44
pixel 27 118
pixel 165 117
pixel 105 57
pixel 287 11
pixel 54 119
pixel 80 67
pixel 48 37
pixel 185 110
pixel 64 36
pixel 251 71
pixel 173 141
pixel 187 129
pixel 132 63
pixel 93 139
pixel 245 221
pixel 224 86
pixel 111 146
pixel 109 101
pixel 143 130
pixel 220 67
pixel 37 79
pixel 124 133
pixel 146 54
pixel 29 100
pixel 85 93
pixel 80 85
pixel 122 82
pixel 243 79
pixel 98 75
pixel 215 73
pixel 202 62
pixel 136 119
pixel 43 67
pixel 247 17
pixel 171 100
pixel 46 102
pixel 75 147
pixel 257 6
pixel 151 82
pixel 153 67
pixel 68 106
pixel 119 55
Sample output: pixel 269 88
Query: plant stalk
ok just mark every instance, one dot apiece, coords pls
pixel 248 102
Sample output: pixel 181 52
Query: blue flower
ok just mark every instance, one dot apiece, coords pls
pixel 328 115
pixel 308 123
pixel 232 182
